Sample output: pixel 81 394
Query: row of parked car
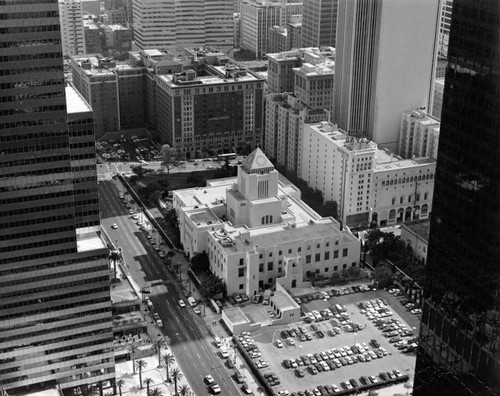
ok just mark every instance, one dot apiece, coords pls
pixel 326 294
pixel 353 385
pixel 332 359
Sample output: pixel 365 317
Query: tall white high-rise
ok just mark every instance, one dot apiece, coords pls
pixel 175 25
pixel 385 56
pixel 72 32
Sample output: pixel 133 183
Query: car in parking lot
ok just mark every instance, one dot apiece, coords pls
pixel 278 344
pixel 312 369
pixel 290 341
pixel 182 304
pixel 299 372
pixel 346 385
pixel 215 388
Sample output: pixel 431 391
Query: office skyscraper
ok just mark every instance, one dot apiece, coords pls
pixel 175 25
pixel 460 332
pixel 319 23
pixel 55 307
pixel 385 50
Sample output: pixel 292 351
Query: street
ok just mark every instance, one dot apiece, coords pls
pixel 189 334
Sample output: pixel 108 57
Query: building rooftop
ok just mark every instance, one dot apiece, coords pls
pixel 204 218
pixel 122 292
pixel 237 316
pixel 243 239
pixel 419 227
pixel 75 102
pixel 89 241
pixel 207 80
pixel 283 301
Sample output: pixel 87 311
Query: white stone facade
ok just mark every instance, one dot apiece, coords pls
pixel 257 231
pixel 371 186
pixel 419 135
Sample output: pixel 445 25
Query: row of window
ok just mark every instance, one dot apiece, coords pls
pixel 52 308
pixel 30 43
pixel 35 209
pixel 409 179
pixel 34 245
pixel 50 221
pixel 18 149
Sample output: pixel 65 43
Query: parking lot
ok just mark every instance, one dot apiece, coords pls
pixel 266 337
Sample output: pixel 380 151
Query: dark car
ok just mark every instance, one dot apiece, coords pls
pixel 318 357
pixel 287 364
pixel 284 334
pixel 363 380
pixel 375 343
pixel 319 367
pixel 313 370
pixel 383 376
pixel 331 364
pixel 354 383
pixel 320 334
pixel 299 372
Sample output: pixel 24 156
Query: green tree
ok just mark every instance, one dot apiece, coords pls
pixel 212 286
pixel 329 208
pixel 200 262
pixel 158 344
pixel 176 375
pixel 140 365
pixel 119 383
pixel 156 392
pixel 353 272
pixel 184 390
pixel 140 171
pixel 115 256
pixel 171 219
pixel 383 276
pixel 133 348
pixel 171 158
pixel 147 382
pixel 168 359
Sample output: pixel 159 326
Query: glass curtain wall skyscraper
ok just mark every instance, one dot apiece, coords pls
pixel 55 306
pixel 459 352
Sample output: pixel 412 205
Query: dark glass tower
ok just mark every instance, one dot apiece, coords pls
pixel 55 306
pixel 459 348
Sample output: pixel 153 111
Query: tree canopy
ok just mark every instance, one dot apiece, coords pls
pixel 171 157
pixel 212 286
pixel 200 262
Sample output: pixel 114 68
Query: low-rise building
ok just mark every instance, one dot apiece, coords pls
pixel 416 236
pixel 118 38
pixel 257 231
pixel 371 186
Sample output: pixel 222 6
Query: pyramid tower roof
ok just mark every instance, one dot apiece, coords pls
pixel 257 162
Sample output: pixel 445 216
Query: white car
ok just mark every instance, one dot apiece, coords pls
pixel 209 379
pixel 279 344
pixel 114 226
pixel 159 323
pixel 215 388
pixel 121 195
pixel 182 304
pixel 290 341
pixel 224 354
pixel 148 302
pixel 197 310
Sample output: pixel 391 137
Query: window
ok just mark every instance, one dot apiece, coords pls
pixel 327 255
pixel 327 244
pixel 335 268
pixel 327 269
pixel 271 254
pixel 299 249
pixel 393 201
pixel 260 256
pixel 241 272
pixel 309 247
pixel 344 266
pixel 335 254
pixel 241 286
pixel 353 264
pixel 308 259
pixel 317 257
pixel 344 252
pixel 289 251
pixel 318 246
pixel 242 261
pixel 270 266
pixel 261 267
pixel 280 253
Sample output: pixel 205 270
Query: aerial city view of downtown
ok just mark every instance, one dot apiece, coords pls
pixel 249 197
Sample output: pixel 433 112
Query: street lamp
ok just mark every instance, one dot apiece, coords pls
pixel 355 335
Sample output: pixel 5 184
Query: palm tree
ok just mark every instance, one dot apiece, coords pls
pixel 184 390
pixel 156 392
pixel 168 359
pixel 114 256
pixel 133 348
pixel 176 375
pixel 147 382
pixel 119 383
pixel 140 365
pixel 157 346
